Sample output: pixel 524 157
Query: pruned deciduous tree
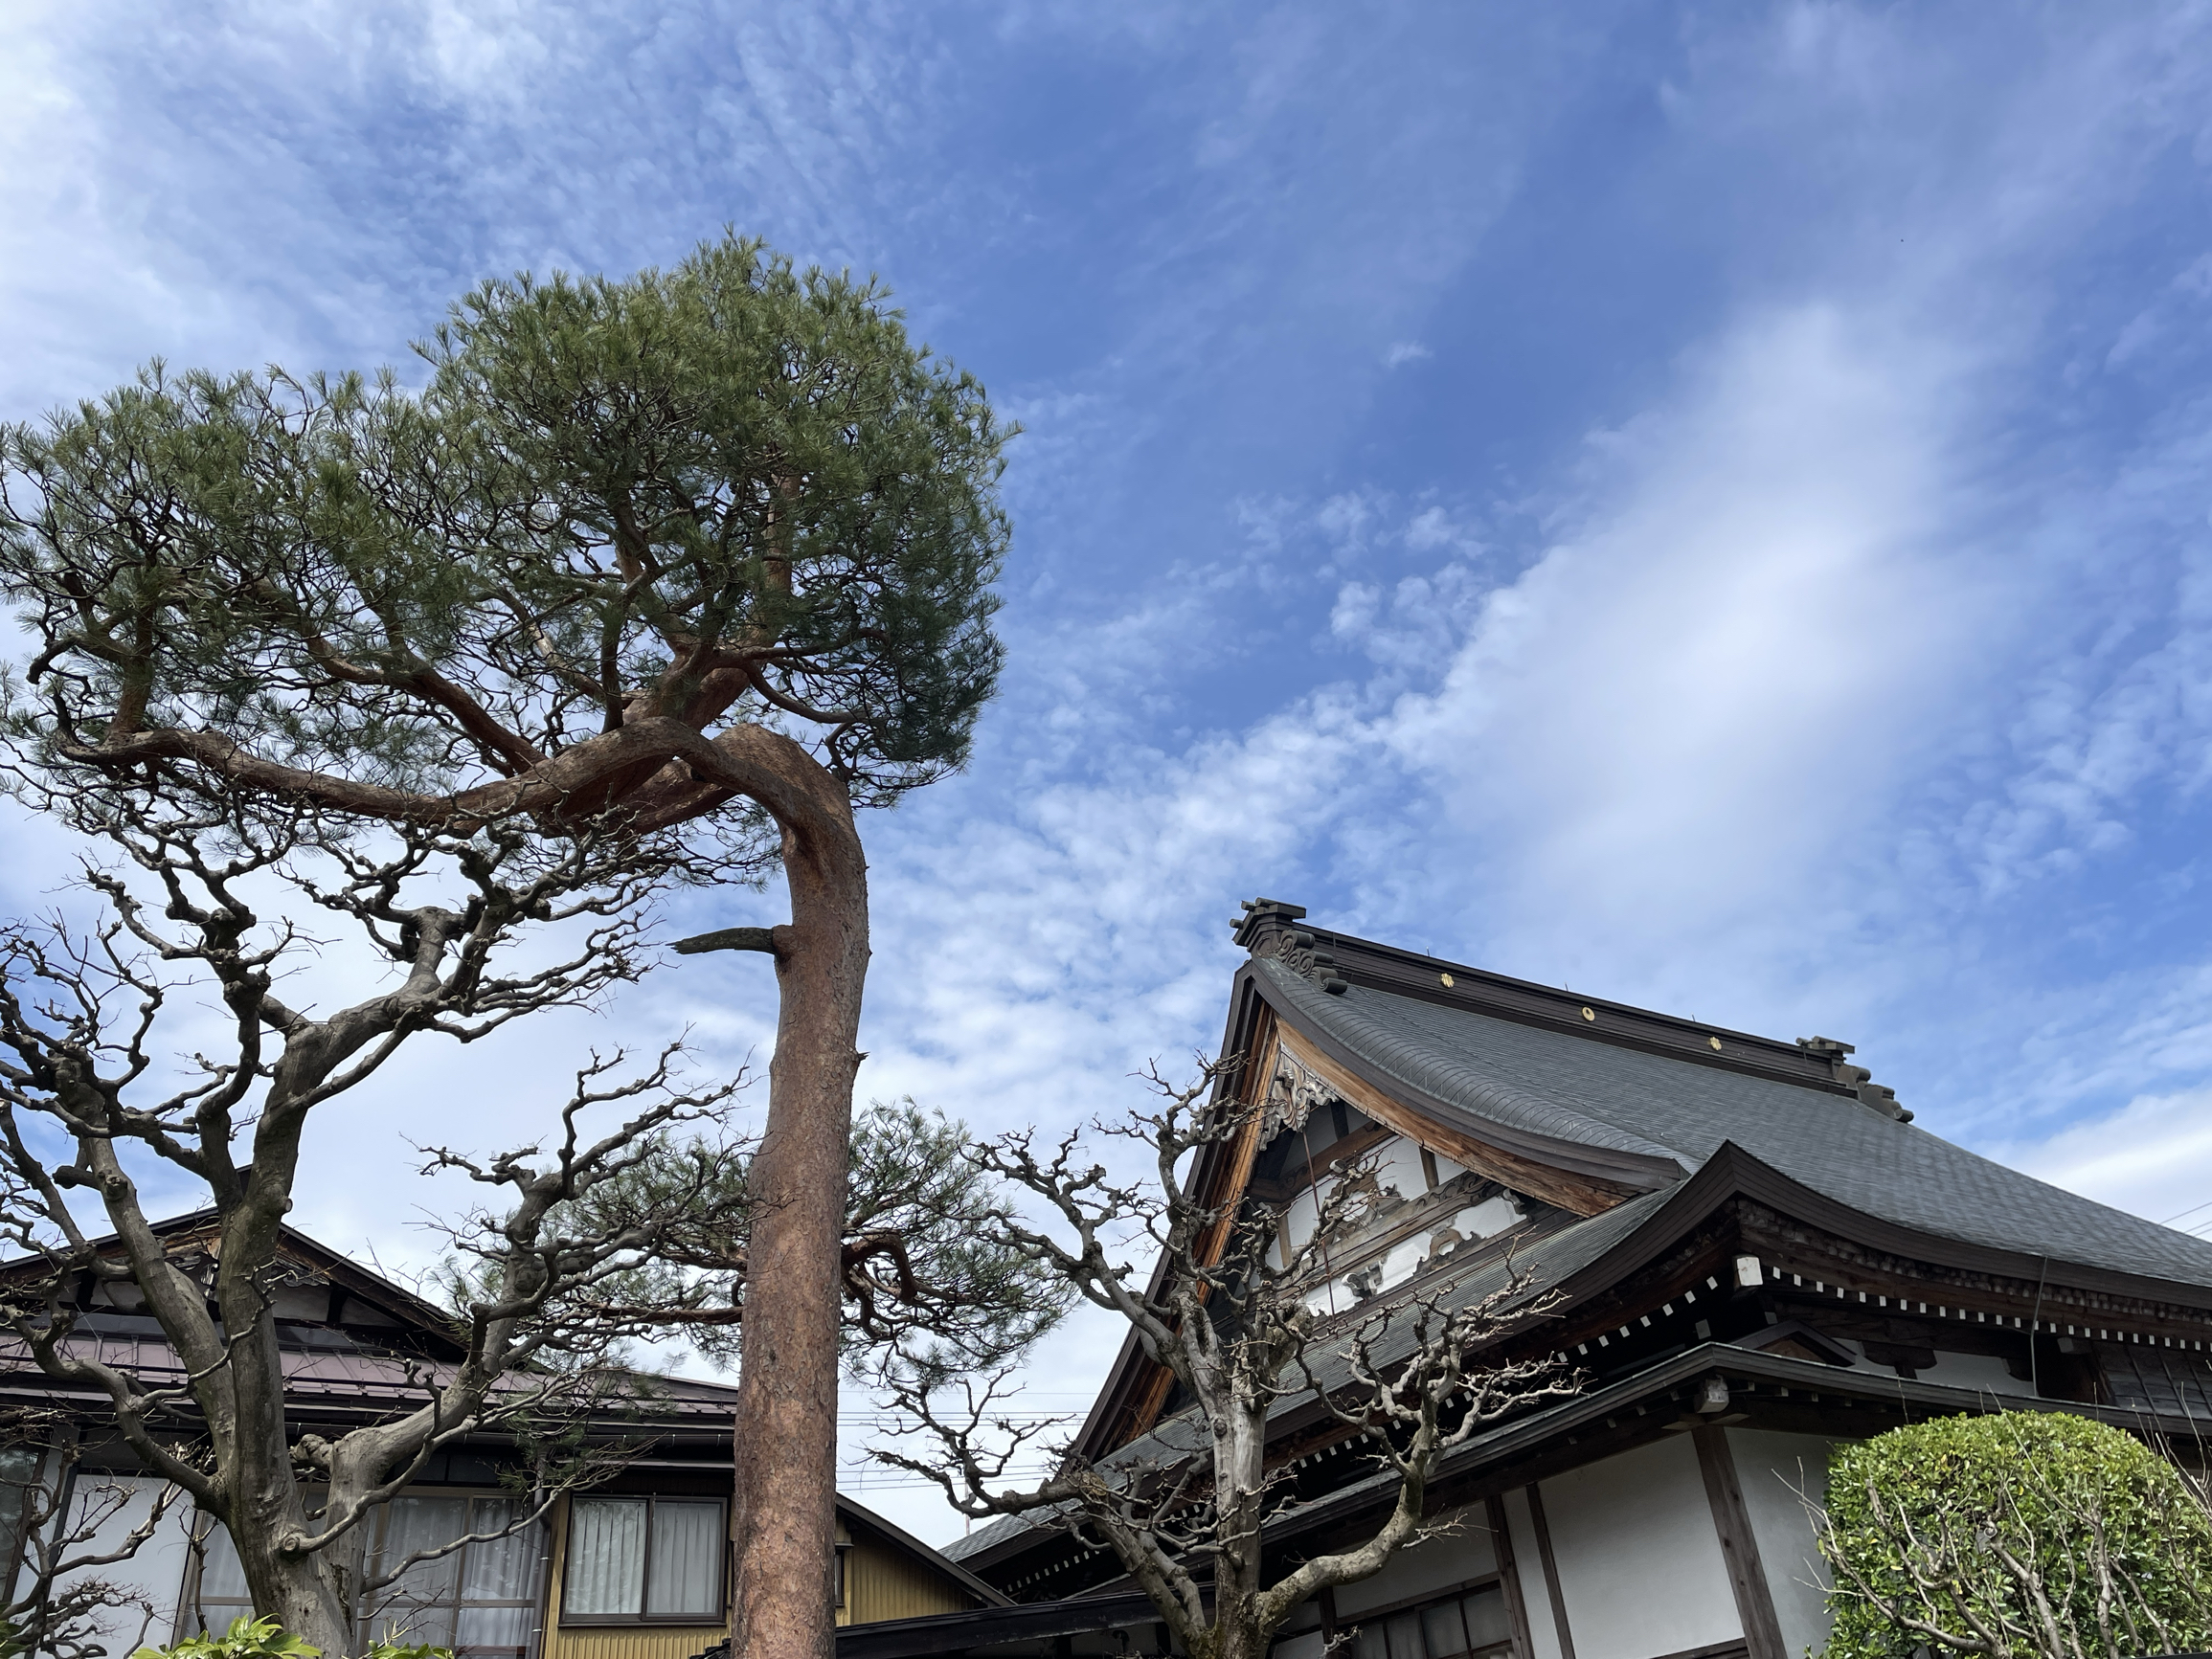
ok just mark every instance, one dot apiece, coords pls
pixel 682 567
pixel 89 1104
pixel 1185 1508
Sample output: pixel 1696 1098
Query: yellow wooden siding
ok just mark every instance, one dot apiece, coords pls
pixel 882 1583
pixel 613 1641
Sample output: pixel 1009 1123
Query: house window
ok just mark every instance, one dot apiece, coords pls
pixel 1469 1622
pixel 643 1560
pixel 480 1600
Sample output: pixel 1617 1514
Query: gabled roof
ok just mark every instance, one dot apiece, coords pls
pixel 379 1347
pixel 1501 1078
pixel 857 1514
pixel 1602 1107
pixel 202 1228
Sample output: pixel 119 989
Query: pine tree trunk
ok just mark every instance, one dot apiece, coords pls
pixel 786 1423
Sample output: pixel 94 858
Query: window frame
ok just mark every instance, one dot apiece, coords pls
pixel 720 1614
pixel 534 1600
pixel 1344 1623
pixel 193 1603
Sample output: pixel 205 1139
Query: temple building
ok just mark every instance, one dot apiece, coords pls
pixel 1755 1251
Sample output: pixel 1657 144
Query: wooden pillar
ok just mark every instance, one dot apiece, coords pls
pixel 1732 1522
pixel 1552 1573
pixel 1509 1578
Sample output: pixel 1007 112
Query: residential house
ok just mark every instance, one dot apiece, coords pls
pixel 635 1567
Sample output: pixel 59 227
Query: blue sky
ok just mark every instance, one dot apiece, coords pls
pixel 1704 505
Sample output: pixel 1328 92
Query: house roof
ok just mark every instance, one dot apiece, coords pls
pixel 941 1560
pixel 375 1369
pixel 1495 1076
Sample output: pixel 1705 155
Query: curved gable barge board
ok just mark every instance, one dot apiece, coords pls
pixel 1598 1170
pixel 1137 1385
pixel 1380 967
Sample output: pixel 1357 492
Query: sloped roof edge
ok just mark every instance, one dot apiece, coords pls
pixel 1577 1144
pixel 937 1558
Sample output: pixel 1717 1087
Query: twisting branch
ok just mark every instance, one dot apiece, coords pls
pixel 85 1107
pixel 1229 1314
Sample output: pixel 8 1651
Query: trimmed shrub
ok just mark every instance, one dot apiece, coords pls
pixel 250 1638
pixel 2015 1534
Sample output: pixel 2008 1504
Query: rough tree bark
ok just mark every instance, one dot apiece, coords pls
pixel 786 1419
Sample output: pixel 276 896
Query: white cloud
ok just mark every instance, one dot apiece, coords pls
pixel 2153 1157
pixel 1405 351
pixel 1712 680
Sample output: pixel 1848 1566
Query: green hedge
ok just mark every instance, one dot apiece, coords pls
pixel 2003 1533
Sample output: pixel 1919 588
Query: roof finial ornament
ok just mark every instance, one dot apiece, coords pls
pixel 1857 1078
pixel 1269 928
pixel 1262 920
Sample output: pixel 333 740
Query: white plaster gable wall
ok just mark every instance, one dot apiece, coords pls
pixel 1434 1564
pixel 156 1570
pixel 1637 1556
pixel 1398 1172
pixel 1528 1566
pixel 1493 1215
pixel 1984 1371
pixel 1772 1469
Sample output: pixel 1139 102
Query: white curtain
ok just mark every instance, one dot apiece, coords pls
pixel 420 1607
pixel 606 1556
pixel 686 1574
pixel 500 1570
pixel 494 1627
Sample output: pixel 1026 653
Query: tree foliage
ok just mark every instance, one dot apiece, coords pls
pixel 930 1284
pixel 2013 1535
pixel 726 487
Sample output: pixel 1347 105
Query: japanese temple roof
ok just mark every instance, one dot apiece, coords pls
pixel 1497 1077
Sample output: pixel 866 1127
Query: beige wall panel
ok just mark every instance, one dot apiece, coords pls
pixel 1638 1558
pixel 1772 1469
pixel 630 1641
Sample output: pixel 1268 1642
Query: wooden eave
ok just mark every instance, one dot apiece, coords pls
pixel 2009 1282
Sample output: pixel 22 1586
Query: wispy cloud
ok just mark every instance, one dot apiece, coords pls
pixel 1705 507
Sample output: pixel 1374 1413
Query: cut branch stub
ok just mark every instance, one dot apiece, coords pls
pixel 774 941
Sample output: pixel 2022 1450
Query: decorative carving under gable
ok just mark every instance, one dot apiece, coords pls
pixel 1293 1095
